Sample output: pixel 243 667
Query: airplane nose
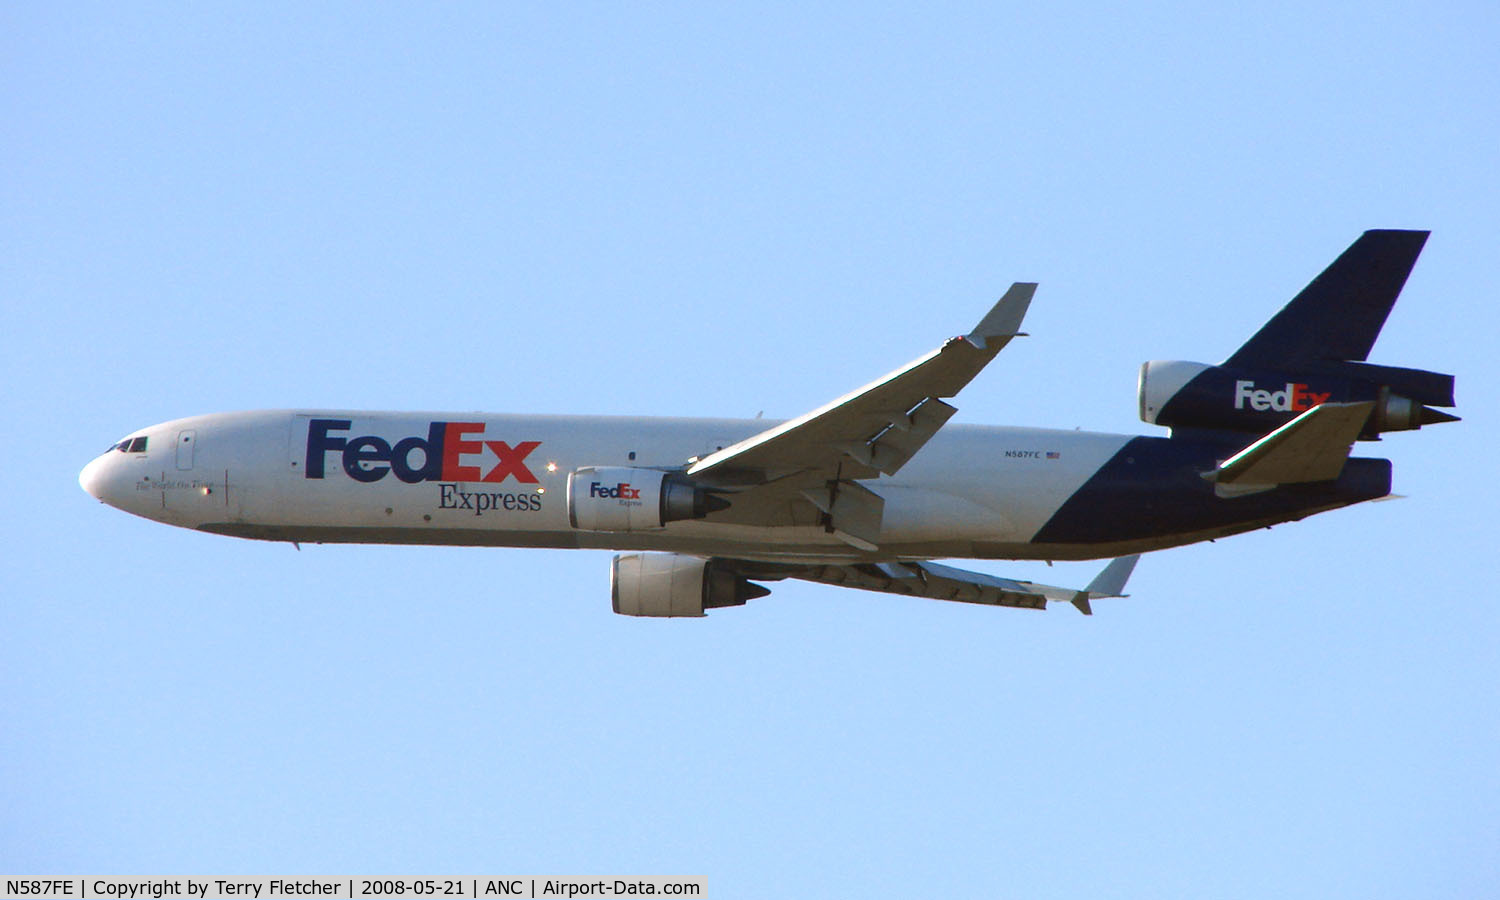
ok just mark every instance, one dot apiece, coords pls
pixel 92 478
pixel 107 480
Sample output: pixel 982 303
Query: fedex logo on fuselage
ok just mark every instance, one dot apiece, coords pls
pixel 622 491
pixel 442 458
pixel 1294 398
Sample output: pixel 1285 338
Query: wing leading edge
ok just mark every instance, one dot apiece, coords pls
pixel 873 431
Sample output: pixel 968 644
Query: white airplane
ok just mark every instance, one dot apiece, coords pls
pixel 863 492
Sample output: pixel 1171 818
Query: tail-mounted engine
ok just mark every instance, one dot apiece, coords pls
pixel 622 498
pixel 1313 351
pixel 670 585
pixel 1229 398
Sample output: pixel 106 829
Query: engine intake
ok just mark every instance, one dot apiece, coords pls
pixel 1196 395
pixel 627 498
pixel 670 585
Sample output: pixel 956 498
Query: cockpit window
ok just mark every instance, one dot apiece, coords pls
pixel 137 445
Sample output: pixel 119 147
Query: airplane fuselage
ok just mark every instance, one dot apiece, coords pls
pixel 863 492
pixel 501 480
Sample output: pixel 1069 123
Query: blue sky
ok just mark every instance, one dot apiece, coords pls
pixel 670 209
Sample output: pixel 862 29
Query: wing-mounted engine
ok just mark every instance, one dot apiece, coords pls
pixel 625 498
pixel 666 585
pixel 1230 398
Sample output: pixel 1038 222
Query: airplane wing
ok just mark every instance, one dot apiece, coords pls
pixel 924 579
pixel 870 432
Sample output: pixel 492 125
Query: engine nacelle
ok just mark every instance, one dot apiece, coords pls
pixel 1196 395
pixel 671 585
pixel 626 498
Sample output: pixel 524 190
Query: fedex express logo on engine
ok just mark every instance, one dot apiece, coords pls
pixel 621 491
pixel 1294 398
pixel 369 458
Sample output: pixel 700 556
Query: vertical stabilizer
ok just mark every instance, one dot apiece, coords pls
pixel 1339 315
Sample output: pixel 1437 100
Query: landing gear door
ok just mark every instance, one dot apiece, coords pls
pixel 186 441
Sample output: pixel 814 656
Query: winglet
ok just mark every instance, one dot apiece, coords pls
pixel 1108 583
pixel 1004 320
pixel 1111 581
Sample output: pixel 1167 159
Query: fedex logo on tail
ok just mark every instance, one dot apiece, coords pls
pixel 442 457
pixel 1294 398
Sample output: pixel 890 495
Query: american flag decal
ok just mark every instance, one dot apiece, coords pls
pixel 1053 454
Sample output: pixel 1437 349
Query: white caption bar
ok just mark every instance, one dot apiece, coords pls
pixel 350 888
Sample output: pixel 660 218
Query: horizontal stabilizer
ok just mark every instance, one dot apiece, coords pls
pixel 1312 447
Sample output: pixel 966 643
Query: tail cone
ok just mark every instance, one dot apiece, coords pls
pixel 1430 416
